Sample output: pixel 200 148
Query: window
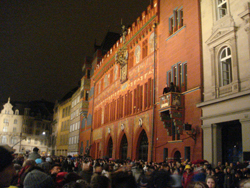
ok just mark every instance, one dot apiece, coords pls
pixel 88 73
pixel 225 66
pixel 14 129
pixel 29 140
pixel 178 75
pixel 17 112
pixel 5 129
pixel 137 54
pixel 13 140
pixel 175 20
pixel 221 8
pixel 4 139
pixel 144 49
pixel 87 96
pixel 41 142
pixel 35 141
pixel 6 121
pixel 180 18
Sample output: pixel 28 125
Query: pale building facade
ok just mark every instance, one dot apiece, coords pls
pixel 25 128
pixel 226 63
pixel 74 129
pixel 11 126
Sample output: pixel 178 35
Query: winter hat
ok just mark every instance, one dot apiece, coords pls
pixel 48 159
pixel 38 179
pixel 38 161
pixel 188 167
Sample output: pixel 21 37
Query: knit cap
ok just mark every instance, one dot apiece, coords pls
pixel 38 179
pixel 38 161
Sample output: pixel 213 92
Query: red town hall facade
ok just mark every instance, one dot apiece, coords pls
pixel 128 114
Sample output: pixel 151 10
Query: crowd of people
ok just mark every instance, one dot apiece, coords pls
pixel 35 171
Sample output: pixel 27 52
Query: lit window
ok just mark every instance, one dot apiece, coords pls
pixel 225 66
pixel 222 8
pixel 4 139
pixel 13 140
pixel 5 129
pixel 6 121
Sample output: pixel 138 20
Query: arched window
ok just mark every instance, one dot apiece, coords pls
pixel 124 147
pixel 110 148
pixel 225 60
pixel 143 146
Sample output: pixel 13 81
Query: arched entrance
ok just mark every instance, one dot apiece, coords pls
pixel 110 148
pixel 177 156
pixel 124 148
pixel 143 146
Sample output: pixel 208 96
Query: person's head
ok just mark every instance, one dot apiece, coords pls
pixel 198 184
pixel 98 169
pixel 188 169
pixel 39 179
pixel 7 170
pixel 29 162
pixel 35 149
pixel 210 181
pixel 55 169
pixel 101 182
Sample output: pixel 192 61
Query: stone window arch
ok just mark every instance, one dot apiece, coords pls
pixel 225 66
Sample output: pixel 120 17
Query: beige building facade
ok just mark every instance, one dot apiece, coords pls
pixel 73 148
pixel 226 64
pixel 62 136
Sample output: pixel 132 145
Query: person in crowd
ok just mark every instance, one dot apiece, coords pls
pixel 219 176
pixel 176 179
pixel 211 182
pixel 27 166
pixel 97 172
pixel 200 175
pixel 87 171
pixel 228 179
pixel 165 89
pixel 45 165
pixel 55 169
pixel 38 179
pixel 7 170
pixel 34 155
pixel 122 179
pixel 172 87
pixel 187 176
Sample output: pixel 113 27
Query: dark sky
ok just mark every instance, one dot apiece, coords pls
pixel 43 42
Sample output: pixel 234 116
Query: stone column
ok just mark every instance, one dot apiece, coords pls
pixel 245 126
pixel 212 143
pixel 207 143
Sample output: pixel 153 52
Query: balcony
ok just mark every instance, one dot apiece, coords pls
pixel 172 112
pixel 171 101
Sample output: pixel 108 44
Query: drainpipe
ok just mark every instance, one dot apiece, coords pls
pixel 153 113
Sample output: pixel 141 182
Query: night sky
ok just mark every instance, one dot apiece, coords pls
pixel 43 43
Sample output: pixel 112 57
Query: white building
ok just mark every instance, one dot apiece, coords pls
pixel 26 127
pixel 226 65
pixel 11 126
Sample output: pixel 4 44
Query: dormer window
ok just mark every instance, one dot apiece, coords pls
pixel 17 112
